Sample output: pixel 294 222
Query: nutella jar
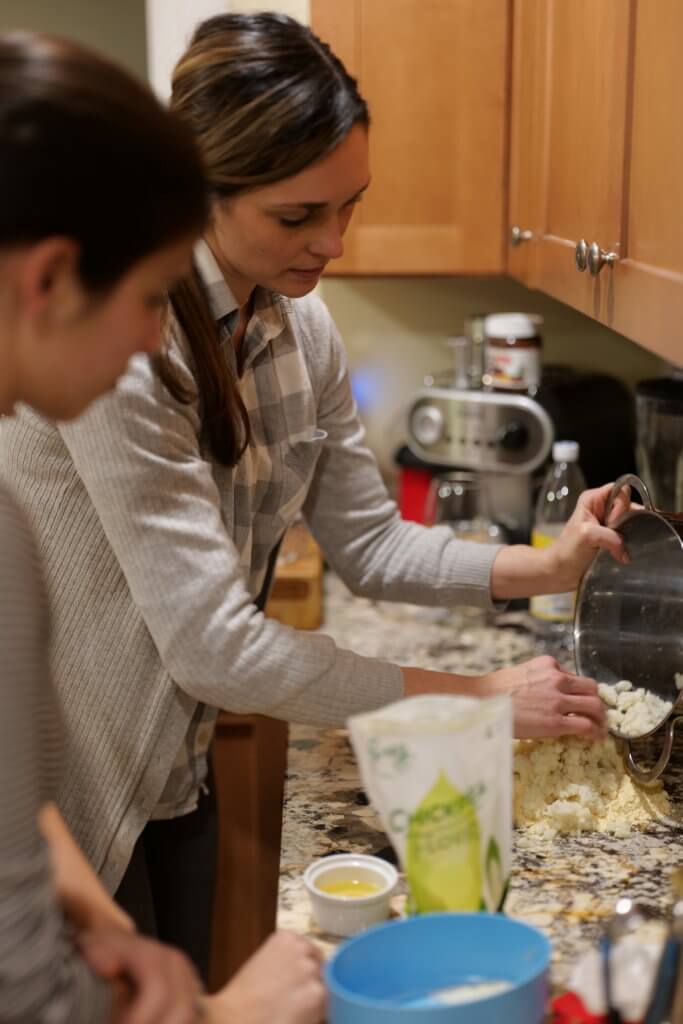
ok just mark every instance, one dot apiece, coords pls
pixel 513 352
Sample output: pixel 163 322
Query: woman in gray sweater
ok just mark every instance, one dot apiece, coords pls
pixel 75 129
pixel 160 512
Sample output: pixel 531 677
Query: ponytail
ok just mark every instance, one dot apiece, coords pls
pixel 225 421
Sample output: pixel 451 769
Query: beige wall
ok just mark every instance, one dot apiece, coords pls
pixel 295 8
pixel 395 331
pixel 116 27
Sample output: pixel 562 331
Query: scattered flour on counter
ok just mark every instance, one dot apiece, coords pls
pixel 573 785
pixel 633 711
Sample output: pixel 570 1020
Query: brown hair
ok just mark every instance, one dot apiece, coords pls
pixel 86 151
pixel 265 98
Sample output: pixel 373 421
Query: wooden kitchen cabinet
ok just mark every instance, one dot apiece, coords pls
pixel 249 761
pixel 596 154
pixel 435 74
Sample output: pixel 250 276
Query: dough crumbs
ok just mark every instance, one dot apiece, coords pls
pixel 633 711
pixel 573 785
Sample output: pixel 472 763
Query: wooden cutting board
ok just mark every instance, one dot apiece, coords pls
pixel 296 595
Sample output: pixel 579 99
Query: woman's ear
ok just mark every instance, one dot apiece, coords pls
pixel 50 290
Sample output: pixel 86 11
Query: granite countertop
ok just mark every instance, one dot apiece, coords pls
pixel 567 888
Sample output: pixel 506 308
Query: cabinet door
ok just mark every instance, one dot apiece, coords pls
pixel 526 124
pixel 249 762
pixel 435 75
pixel 647 299
pixel 583 111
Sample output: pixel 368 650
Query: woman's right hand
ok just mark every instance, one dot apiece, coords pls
pixel 282 982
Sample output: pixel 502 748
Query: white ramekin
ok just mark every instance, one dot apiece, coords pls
pixel 343 915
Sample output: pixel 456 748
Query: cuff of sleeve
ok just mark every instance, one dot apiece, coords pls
pixel 471 564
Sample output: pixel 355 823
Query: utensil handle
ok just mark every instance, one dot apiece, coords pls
pixel 665 982
pixel 647 776
pixel 628 480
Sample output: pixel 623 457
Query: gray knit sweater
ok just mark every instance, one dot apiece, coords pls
pixel 42 976
pixel 153 603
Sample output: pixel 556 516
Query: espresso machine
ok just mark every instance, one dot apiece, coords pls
pixel 454 422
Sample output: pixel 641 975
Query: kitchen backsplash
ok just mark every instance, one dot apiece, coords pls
pixel 395 331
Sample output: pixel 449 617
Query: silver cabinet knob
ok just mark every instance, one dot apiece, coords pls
pixel 581 255
pixel 519 235
pixel 597 258
pixel 427 425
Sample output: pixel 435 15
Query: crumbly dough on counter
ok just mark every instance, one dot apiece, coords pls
pixel 633 711
pixel 574 785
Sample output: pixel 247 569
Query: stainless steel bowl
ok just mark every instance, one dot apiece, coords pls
pixel 629 618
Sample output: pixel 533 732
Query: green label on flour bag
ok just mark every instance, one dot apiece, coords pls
pixel 443 851
pixel 495 876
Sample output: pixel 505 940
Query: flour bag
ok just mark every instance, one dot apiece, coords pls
pixel 438 770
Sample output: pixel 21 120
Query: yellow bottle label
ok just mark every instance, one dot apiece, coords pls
pixel 551 607
pixel 443 852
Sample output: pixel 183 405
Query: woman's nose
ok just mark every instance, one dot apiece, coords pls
pixel 329 244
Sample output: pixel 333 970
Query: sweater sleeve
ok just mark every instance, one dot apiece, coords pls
pixel 138 455
pixel 42 977
pixel 376 553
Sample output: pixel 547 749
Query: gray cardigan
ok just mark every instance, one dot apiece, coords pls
pixel 153 610
pixel 43 978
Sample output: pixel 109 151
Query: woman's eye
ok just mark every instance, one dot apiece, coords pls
pixel 293 222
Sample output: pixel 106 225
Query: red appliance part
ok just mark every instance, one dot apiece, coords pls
pixel 413 487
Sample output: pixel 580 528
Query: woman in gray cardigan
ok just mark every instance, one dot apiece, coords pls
pixel 160 511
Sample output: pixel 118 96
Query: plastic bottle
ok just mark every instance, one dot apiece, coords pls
pixel 559 494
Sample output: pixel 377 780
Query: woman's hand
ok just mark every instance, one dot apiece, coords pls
pixel 547 701
pixel 152 983
pixel 585 534
pixel 522 571
pixel 281 983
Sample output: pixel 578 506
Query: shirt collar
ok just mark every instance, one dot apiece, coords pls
pixel 269 318
pixel 221 299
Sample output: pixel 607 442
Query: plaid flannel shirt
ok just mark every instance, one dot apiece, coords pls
pixel 269 484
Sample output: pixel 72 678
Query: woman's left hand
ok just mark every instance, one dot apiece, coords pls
pixel 585 534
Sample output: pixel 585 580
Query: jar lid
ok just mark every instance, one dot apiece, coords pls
pixel 565 451
pixel 512 325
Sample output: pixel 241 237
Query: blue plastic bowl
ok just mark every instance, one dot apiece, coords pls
pixel 388 972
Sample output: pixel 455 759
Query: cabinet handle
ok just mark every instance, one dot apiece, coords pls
pixel 581 255
pixel 597 258
pixel 519 235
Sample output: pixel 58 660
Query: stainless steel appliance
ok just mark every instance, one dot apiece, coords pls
pixel 508 437
pixel 659 451
pixel 504 437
